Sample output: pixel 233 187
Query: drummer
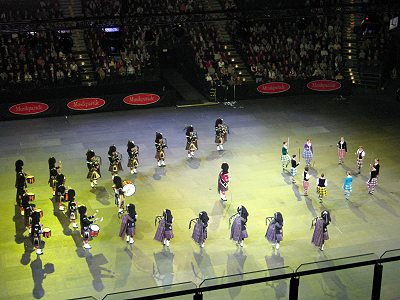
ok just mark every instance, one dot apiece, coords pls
pixel 72 207
pixel 36 232
pixel 20 181
pixel 86 221
pixel 53 170
pixel 60 190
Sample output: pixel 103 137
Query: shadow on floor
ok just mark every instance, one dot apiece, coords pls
pixel 39 274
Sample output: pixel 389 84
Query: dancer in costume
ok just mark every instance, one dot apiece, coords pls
pixel 320 234
pixel 128 224
pixel 306 181
pixel 72 208
pixel 221 133
pixel 322 183
pixel 285 157
pixel 342 150
pixel 347 185
pixel 133 156
pixel 160 144
pixel 199 234
pixel 53 170
pixel 293 170
pixel 36 232
pixel 238 229
pixel 60 190
pixel 164 232
pixel 223 181
pixel 86 221
pixel 377 167
pixel 20 181
pixel 115 159
pixel 274 232
pixel 191 141
pixel 360 158
pixel 308 152
pixel 372 181
pixel 119 193
pixel 93 163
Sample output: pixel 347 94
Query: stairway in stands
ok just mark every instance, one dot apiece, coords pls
pixel 352 17
pixel 226 39
pixel 71 9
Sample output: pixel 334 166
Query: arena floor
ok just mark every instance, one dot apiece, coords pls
pixel 366 224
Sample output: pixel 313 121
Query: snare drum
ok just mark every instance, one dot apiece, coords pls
pixel 94 230
pixel 39 211
pixel 31 196
pixel 46 232
pixel 30 179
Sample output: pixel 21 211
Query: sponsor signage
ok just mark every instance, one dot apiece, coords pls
pixel 28 108
pixel 273 87
pixel 86 103
pixel 141 99
pixel 324 85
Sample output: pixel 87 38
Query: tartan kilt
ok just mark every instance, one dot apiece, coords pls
pixel 341 153
pixel 285 158
pixel 307 155
pixel 293 171
pixel 360 162
pixel 133 163
pixel 372 183
pixel 321 190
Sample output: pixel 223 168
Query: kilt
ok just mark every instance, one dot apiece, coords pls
pixel 271 234
pixel 93 175
pixel 341 153
pixel 348 187
pixel 130 231
pixel 307 155
pixel 199 234
pixel 161 233
pixel 133 163
pixel 159 156
pixel 221 139
pixel 285 159
pixel 360 162
pixel 306 185
pixel 318 235
pixel 237 233
pixel 119 167
pixel 321 190
pixel 371 184
pixel 293 171
pixel 188 146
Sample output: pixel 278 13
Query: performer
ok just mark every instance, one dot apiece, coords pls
pixel 274 232
pixel 27 209
pixel 306 182
pixel 342 150
pixel 128 224
pixel 20 181
pixel 119 193
pixel 115 159
pixel 133 154
pixel 191 141
pixel 199 234
pixel 160 144
pixel 72 208
pixel 238 229
pixel 285 157
pixel 372 182
pixel 164 231
pixel 93 163
pixel 322 183
pixel 360 158
pixel 377 167
pixel 308 152
pixel 223 181
pixel 221 133
pixel 86 221
pixel 60 190
pixel 293 171
pixel 36 232
pixel 53 170
pixel 320 234
pixel 347 185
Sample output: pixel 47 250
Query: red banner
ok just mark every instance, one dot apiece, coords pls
pixel 324 85
pixel 273 87
pixel 86 103
pixel 141 99
pixel 28 108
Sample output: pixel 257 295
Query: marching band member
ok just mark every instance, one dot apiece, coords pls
pixel 60 190
pixel 119 193
pixel 27 209
pixel 320 234
pixel 347 185
pixel 115 161
pixel 306 182
pixel 322 183
pixel 86 221
pixel 238 229
pixel 221 133
pixel 372 181
pixel 160 145
pixel 72 208
pixel 93 165
pixel 294 164
pixel 342 150
pixel 53 170
pixel 128 224
pixel 191 141
pixel 223 181
pixel 285 157
pixel 36 232
pixel 133 154
pixel 274 232
pixel 20 181
pixel 164 232
pixel 360 158
pixel 308 152
pixel 199 234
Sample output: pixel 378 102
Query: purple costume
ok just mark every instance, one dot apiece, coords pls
pixel 238 229
pixel 164 229
pixel 320 234
pixel 199 234
pixel 274 232
pixel 127 226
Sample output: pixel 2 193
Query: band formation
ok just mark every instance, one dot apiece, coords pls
pixel 64 197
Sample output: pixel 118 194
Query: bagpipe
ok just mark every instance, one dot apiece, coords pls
pixel 194 221
pixel 160 147
pixel 232 218
pixel 158 219
pixel 268 220
pixel 314 222
pixel 117 159
pixel 97 161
